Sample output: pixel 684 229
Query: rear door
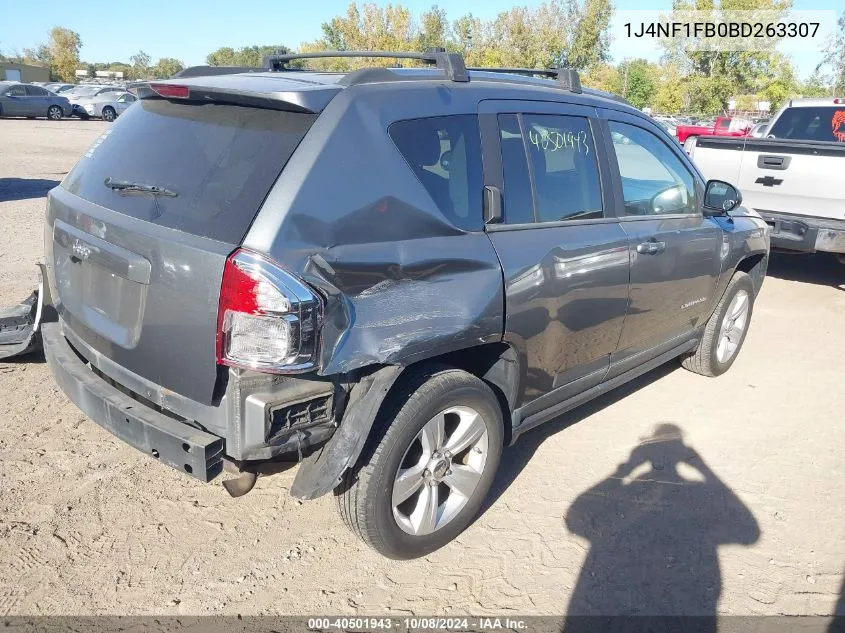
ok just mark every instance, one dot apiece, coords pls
pixel 37 101
pixel 564 254
pixel 674 249
pixel 136 275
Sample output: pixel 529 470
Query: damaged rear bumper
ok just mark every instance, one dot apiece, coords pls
pixel 179 445
pixel 19 326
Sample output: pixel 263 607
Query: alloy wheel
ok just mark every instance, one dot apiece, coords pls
pixel 440 470
pixel 733 326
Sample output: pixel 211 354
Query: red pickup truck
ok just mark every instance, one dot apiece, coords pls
pixel 724 126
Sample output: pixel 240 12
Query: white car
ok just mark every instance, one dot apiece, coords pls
pixel 107 106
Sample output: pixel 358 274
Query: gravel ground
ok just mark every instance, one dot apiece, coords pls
pixel 732 501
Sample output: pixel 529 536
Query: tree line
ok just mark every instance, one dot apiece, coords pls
pixel 553 33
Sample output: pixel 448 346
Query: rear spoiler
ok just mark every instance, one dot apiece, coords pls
pixel 306 101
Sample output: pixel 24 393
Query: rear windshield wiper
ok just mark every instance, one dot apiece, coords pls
pixel 124 186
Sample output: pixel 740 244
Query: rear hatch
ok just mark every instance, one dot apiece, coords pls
pixel 139 231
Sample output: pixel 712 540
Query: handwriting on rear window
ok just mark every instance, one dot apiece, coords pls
pixel 553 140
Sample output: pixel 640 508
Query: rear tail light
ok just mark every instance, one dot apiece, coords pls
pixel 267 319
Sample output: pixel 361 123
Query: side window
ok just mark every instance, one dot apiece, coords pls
pixel 724 124
pixel 517 196
pixel 654 179
pixel 16 91
pixel 563 162
pixel 445 155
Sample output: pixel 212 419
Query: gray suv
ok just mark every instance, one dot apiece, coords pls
pixel 386 275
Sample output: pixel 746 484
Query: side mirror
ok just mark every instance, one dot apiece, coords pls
pixel 721 197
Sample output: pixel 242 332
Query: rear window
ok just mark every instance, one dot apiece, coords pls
pixel 823 123
pixel 445 155
pixel 219 160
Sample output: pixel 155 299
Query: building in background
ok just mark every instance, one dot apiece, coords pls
pixel 13 71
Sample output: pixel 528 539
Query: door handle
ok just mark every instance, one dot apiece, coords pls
pixel 652 247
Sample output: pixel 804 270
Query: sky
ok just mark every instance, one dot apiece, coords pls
pixel 190 29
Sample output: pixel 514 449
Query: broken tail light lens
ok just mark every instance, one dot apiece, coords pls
pixel 267 320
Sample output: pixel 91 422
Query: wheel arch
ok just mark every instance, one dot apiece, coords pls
pixel 495 363
pixel 754 265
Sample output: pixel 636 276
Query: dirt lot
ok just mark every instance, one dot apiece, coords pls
pixel 89 525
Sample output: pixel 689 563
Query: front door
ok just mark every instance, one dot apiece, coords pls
pixel 564 254
pixel 674 249
pixel 16 101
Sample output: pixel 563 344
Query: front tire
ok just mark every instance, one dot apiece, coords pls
pixel 725 331
pixel 54 113
pixel 429 464
pixel 109 114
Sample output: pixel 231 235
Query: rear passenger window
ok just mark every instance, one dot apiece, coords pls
pixel 654 180
pixel 518 199
pixel 445 155
pixel 564 167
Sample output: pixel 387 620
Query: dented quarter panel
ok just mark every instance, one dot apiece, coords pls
pixel 401 282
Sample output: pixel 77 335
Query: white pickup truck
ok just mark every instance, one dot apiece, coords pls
pixel 794 177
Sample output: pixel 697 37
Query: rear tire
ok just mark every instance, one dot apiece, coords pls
pixel 54 113
pixel 725 331
pixel 109 114
pixel 428 464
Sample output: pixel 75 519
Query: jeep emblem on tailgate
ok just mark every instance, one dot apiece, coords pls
pixel 80 250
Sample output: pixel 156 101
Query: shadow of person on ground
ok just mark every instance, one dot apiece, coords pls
pixel 654 528
pixel 819 268
pixel 515 458
pixel 25 188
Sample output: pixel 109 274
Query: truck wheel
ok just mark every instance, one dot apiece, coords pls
pixel 725 331
pixel 428 465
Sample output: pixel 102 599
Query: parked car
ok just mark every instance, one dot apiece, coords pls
pixel 27 100
pixel 106 106
pixel 59 88
pixel 793 176
pixel 721 126
pixel 228 285
pixel 84 92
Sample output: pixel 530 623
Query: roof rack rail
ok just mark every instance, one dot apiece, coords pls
pixel 452 64
pixel 567 77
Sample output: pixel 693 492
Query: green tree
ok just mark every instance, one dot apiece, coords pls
pixel 140 65
pixel 550 34
pixel 669 98
pixel 434 30
pixel 166 67
pixel 248 56
pixel 64 53
pixel 591 42
pixel 602 77
pixel 637 82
